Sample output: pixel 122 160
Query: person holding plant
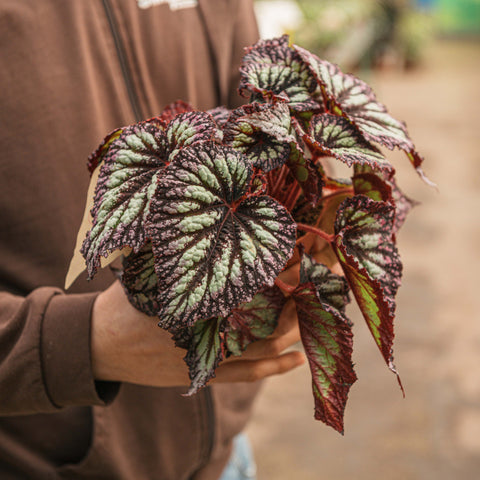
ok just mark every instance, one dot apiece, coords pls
pixel 89 386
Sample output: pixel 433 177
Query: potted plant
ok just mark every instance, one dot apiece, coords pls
pixel 208 208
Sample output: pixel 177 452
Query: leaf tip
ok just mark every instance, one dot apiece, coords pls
pixel 392 367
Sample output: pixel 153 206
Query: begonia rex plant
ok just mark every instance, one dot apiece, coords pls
pixel 208 208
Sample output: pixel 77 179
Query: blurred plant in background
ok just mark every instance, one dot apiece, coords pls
pixel 457 17
pixel 356 34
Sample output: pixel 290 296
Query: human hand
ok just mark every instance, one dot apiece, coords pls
pixel 128 346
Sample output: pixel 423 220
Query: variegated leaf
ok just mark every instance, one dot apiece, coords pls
pixel 254 320
pixel 337 137
pixel 189 128
pixel 272 69
pixel 372 186
pixel 305 212
pixel 204 352
pixel 275 51
pixel 215 245
pixel 182 336
pixel 274 120
pixel 301 167
pixel 369 258
pixel 349 96
pixel 305 174
pixel 327 337
pixel 381 186
pixel 332 289
pixel 126 183
pixel 262 132
pixel 140 280
pixel 220 115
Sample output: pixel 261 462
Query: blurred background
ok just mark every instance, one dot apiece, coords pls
pixel 422 59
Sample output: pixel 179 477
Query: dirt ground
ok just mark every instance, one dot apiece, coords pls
pixel 434 433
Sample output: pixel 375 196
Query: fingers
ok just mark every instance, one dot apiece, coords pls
pixel 287 319
pixel 253 370
pixel 273 346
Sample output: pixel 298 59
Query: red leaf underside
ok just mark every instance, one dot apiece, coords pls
pixel 321 298
pixel 327 339
pixel 174 109
pixel 96 157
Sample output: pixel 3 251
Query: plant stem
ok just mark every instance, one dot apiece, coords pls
pixel 280 179
pixel 285 287
pixel 316 231
pixel 340 191
pixel 269 181
pixel 293 195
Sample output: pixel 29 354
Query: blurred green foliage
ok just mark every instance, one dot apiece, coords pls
pixel 364 33
pixel 458 16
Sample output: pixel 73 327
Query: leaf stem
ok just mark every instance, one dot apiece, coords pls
pixel 280 180
pixel 316 231
pixel 285 287
pixel 293 195
pixel 340 191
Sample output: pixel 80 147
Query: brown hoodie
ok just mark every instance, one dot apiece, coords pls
pixel 71 71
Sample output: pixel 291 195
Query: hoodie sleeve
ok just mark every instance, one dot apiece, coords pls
pixel 45 361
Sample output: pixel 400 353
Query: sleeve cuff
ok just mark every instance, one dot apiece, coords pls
pixel 66 356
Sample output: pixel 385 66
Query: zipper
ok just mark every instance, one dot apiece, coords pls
pixel 122 58
pixel 208 35
pixel 132 95
pixel 210 423
pixel 207 417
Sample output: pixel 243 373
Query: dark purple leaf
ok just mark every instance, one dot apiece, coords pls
pixel 372 186
pixel 204 352
pixel 305 212
pixel 254 320
pixel 182 336
pixel 337 137
pixel 262 132
pixel 189 128
pixel 215 245
pixel 347 95
pixel 381 186
pixel 272 69
pixel 140 280
pixel 327 338
pixel 220 115
pixel 305 173
pixel 127 179
pixel 332 289
pixel 369 258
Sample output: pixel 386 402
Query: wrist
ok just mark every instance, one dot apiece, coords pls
pixel 107 344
